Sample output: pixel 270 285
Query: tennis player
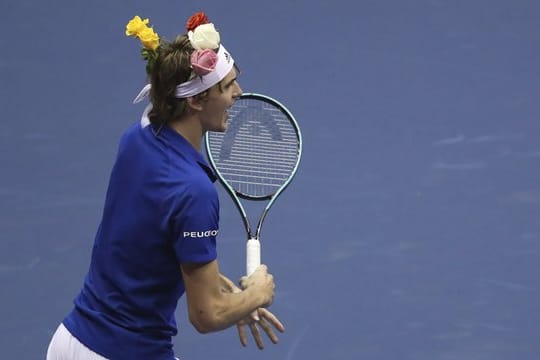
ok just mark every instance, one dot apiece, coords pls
pixel 157 237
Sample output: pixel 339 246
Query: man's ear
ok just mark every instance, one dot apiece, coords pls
pixel 195 103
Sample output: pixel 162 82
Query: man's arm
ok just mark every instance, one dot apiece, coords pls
pixel 228 285
pixel 210 308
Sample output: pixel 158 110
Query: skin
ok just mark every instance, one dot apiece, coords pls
pixel 209 113
pixel 215 302
pixel 266 320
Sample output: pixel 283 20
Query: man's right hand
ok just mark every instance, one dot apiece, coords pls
pixel 263 281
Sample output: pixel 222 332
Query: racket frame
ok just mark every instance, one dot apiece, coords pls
pixel 253 239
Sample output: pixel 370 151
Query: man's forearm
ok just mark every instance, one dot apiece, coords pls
pixel 211 304
pixel 228 285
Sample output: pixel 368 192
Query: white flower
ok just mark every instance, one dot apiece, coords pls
pixel 204 36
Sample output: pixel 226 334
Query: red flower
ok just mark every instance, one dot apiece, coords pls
pixel 196 20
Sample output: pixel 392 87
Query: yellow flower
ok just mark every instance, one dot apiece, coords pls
pixel 149 38
pixel 135 26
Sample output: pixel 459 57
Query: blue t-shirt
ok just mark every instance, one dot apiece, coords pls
pixel 161 210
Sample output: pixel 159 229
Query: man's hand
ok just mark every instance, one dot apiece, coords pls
pixel 264 282
pixel 267 321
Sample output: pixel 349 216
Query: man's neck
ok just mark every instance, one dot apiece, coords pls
pixel 190 128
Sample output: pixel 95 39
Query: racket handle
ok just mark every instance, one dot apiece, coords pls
pixel 253 255
pixel 253 260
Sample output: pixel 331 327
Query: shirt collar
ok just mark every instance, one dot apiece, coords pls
pixel 184 146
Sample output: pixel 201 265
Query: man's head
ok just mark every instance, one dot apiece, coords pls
pixel 189 73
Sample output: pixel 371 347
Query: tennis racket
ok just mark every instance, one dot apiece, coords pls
pixel 256 158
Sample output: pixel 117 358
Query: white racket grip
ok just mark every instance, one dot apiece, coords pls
pixel 253 255
pixel 253 260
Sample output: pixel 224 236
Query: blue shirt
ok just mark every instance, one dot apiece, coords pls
pixel 161 210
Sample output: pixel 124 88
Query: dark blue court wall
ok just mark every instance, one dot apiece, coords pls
pixel 412 230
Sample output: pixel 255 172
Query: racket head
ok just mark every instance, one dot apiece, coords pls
pixel 259 153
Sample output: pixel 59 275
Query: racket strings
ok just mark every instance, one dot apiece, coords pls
pixel 259 151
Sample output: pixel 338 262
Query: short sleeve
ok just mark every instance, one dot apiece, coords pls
pixel 196 224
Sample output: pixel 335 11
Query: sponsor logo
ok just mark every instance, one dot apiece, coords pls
pixel 200 234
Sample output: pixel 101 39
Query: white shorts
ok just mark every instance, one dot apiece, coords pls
pixel 65 346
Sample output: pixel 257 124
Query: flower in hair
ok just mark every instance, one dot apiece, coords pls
pixel 149 39
pixel 203 61
pixel 204 36
pixel 138 28
pixel 196 20
pixel 136 25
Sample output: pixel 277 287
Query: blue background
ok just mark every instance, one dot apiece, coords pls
pixel 412 229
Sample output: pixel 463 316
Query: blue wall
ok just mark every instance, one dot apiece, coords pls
pixel 412 230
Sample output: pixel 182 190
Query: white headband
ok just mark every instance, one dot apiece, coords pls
pixel 199 84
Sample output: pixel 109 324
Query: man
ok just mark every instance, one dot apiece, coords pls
pixel 157 237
